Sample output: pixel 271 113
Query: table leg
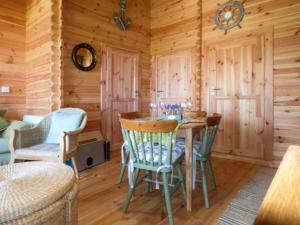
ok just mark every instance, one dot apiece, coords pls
pixel 189 167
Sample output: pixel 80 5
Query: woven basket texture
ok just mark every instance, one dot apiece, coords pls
pixel 35 191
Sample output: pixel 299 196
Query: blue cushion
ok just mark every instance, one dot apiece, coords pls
pixel 32 120
pixel 3 124
pixel 15 125
pixel 4 158
pixel 177 152
pixel 4 145
pixel 63 120
pixel 196 145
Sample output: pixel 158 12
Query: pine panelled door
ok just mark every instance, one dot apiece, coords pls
pixel 175 77
pixel 237 79
pixel 119 90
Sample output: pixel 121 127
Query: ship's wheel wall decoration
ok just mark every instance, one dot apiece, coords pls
pixel 229 15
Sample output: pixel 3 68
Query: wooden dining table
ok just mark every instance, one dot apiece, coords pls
pixel 188 130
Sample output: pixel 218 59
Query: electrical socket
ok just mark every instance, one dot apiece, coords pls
pixel 5 89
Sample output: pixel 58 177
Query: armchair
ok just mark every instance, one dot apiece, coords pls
pixel 55 138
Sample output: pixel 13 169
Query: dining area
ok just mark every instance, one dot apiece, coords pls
pixel 169 151
pixel 149 112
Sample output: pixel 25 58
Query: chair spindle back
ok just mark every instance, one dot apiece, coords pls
pixel 148 140
pixel 210 134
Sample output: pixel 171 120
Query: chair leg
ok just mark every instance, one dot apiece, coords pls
pixel 75 167
pixel 168 198
pixel 204 184
pixel 211 174
pixel 149 184
pixel 123 169
pixel 182 180
pixel 131 190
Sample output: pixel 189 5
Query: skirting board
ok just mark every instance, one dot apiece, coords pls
pixel 244 159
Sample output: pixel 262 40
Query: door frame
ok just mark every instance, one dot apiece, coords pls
pixel 106 88
pixel 268 32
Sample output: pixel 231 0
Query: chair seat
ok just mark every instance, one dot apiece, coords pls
pixel 196 146
pixel 177 152
pixel 49 150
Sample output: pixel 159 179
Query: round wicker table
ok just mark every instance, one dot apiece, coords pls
pixel 37 193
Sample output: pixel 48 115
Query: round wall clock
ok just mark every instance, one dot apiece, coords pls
pixel 229 15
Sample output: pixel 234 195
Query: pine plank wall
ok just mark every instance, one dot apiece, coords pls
pixel 93 23
pixel 176 26
pixel 159 26
pixel 30 56
pixel 43 40
pixel 12 56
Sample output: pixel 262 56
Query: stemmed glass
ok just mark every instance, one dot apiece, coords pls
pixel 183 105
pixel 152 108
pixel 189 105
pixel 162 107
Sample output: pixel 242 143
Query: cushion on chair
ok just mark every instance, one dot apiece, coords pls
pixel 3 111
pixel 177 152
pixel 49 150
pixel 196 145
pixel 63 120
pixel 32 119
pixel 197 148
pixel 4 158
pixel 15 125
pixel 3 124
pixel 4 145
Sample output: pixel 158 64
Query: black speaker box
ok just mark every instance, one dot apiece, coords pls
pixel 92 154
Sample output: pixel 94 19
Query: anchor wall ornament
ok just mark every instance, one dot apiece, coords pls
pixel 120 19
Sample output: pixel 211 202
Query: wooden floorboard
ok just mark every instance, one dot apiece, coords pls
pixel 101 198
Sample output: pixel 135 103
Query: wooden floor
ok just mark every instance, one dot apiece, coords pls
pixel 101 199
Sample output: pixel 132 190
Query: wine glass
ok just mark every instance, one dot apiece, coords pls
pixel 183 105
pixel 189 105
pixel 162 107
pixel 153 108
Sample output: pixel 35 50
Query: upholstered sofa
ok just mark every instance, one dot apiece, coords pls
pixel 5 136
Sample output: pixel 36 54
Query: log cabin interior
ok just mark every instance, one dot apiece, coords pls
pixel 107 107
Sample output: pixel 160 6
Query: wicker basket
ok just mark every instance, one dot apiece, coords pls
pixel 37 193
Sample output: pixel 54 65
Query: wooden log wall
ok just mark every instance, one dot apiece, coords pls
pixel 12 56
pixel 31 33
pixel 176 26
pixel 57 57
pixel 284 17
pixel 43 38
pixel 92 23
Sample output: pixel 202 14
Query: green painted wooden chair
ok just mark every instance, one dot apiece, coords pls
pixel 153 148
pixel 202 153
pixel 124 148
